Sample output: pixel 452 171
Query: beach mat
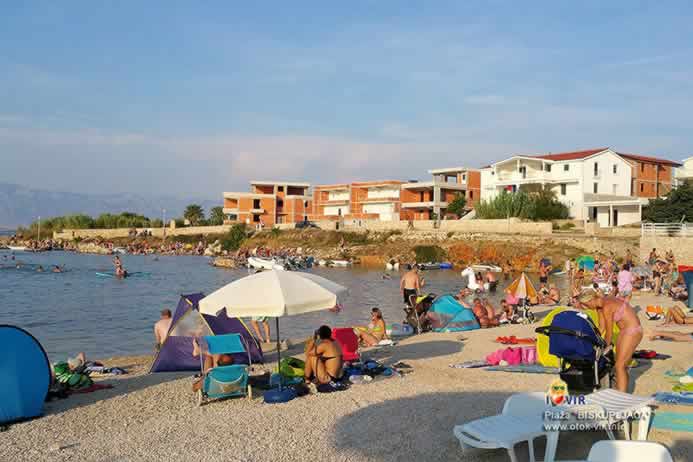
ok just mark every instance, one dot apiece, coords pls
pixel 674 398
pixel 676 421
pixel 526 369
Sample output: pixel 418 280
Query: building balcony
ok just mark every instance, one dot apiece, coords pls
pixel 230 210
pixel 257 210
pixel 423 205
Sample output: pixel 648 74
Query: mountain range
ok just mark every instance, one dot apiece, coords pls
pixel 20 205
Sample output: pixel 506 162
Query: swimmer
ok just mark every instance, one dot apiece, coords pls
pixel 39 269
pixel 57 269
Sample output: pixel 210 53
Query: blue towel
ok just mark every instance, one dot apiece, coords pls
pixel 675 421
pixel 675 398
pixel 526 368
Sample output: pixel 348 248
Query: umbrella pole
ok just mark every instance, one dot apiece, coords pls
pixel 279 354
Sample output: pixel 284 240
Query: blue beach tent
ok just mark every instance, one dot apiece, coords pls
pixel 449 315
pixel 25 375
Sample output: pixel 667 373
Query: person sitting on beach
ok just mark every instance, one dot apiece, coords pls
pixel 508 311
pixel 612 310
pixel 677 315
pixel 375 331
pixel 209 362
pixel 410 284
pixel 671 335
pixel 323 358
pixel 161 328
pixel 482 315
pixel 550 295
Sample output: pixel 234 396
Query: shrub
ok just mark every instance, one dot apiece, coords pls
pixel 235 237
pixel 676 206
pixel 429 253
pixel 555 226
pixel 536 206
pixel 275 232
pixel 567 226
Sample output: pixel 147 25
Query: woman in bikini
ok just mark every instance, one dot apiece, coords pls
pixel 375 331
pixel 617 310
pixel 323 358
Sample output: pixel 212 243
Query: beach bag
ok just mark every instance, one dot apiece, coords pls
pixel 513 356
pixel 292 367
pixel 495 358
pixel 529 355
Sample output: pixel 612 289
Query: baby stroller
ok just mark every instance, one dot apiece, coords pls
pixel 576 341
pixel 416 313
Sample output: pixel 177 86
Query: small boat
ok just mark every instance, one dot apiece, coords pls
pixel 17 248
pixel 264 264
pixel 120 250
pixel 487 267
pixel 340 263
pixel 446 265
pixel 429 266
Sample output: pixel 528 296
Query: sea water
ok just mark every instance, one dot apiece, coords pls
pixel 78 311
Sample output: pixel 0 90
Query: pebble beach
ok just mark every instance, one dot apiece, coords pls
pixel 154 417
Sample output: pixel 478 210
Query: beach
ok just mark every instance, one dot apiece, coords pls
pixel 155 417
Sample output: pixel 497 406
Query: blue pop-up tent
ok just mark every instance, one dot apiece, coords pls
pixel 448 315
pixel 25 375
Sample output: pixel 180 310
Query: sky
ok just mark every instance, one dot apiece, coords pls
pixel 197 98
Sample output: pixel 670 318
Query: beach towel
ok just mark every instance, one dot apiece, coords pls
pixel 91 388
pixel 512 340
pixel 674 398
pixel 470 364
pixel 526 369
pixel 683 387
pixel 675 421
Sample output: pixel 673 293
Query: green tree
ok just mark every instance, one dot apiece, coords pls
pixel 235 237
pixel 677 206
pixel 194 213
pixel 541 205
pixel 216 216
pixel 457 206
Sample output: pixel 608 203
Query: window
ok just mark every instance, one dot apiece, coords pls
pixel 566 167
pixel 614 189
pixel 642 187
pixel 596 169
pixel 471 194
pixel 564 189
pixel 256 203
pixel 547 167
pixel 596 188
pixel 464 177
pixel 615 169
pixel 280 188
pixel 642 167
pixel 256 218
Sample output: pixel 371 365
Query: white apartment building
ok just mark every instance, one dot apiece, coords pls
pixel 594 184
pixel 684 173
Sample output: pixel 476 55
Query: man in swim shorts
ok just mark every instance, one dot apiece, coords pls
pixel 254 321
pixel 410 284
pixel 161 328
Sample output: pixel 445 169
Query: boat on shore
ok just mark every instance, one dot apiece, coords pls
pixel 17 248
pixel 487 267
pixel 264 264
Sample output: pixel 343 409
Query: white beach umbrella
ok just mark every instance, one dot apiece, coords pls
pixel 274 294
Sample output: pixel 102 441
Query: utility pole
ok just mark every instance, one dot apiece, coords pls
pixel 39 228
pixel 163 221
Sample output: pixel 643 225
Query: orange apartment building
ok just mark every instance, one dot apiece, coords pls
pixel 651 177
pixel 370 200
pixel 268 203
pixel 428 199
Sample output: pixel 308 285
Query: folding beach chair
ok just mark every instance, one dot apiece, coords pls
pixel 225 381
pixel 628 451
pixel 348 341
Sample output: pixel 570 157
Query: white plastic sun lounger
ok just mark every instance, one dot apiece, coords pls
pixel 522 420
pixel 628 451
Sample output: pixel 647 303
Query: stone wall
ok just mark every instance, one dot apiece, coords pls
pixel 124 232
pixel 510 226
pixel 681 246
pixel 593 229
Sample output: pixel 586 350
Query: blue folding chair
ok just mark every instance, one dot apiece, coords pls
pixel 225 381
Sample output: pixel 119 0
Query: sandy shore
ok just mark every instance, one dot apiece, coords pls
pixel 155 417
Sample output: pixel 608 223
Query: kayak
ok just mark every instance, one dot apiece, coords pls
pixel 111 274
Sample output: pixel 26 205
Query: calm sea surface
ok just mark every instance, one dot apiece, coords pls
pixel 78 311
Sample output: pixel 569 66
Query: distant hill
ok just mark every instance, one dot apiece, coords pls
pixel 19 205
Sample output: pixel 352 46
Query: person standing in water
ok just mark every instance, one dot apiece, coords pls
pixel 410 284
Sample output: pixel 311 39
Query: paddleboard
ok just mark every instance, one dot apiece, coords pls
pixel 111 274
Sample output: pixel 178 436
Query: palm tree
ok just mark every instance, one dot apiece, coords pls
pixel 216 216
pixel 194 213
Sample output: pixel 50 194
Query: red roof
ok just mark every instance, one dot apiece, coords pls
pixel 654 160
pixel 573 155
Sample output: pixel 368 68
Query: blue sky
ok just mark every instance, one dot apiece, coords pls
pixel 196 98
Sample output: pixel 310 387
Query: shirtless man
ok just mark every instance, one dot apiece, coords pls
pixel 410 284
pixel 323 358
pixel 544 271
pixel 492 281
pixel 161 328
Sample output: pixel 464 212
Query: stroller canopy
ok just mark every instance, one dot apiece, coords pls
pixel 571 334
